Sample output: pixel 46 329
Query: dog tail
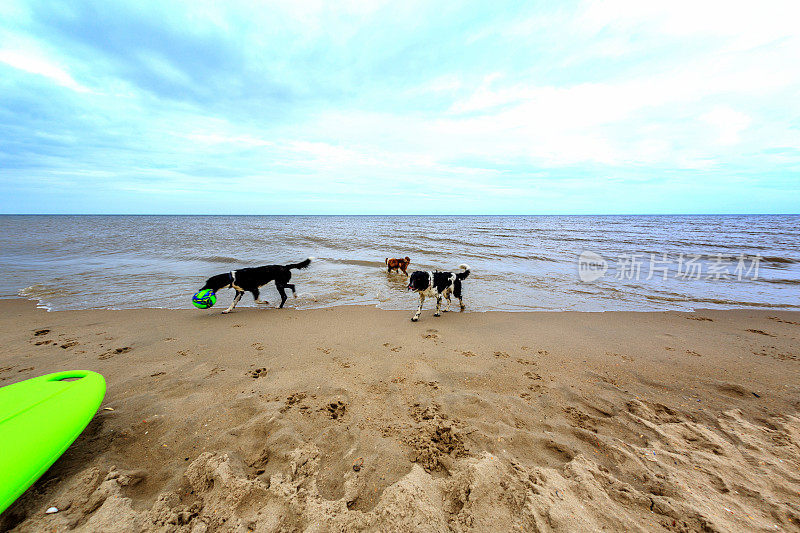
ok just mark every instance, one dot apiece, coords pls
pixel 463 275
pixel 301 264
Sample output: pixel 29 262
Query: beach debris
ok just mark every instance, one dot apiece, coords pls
pixel 108 408
pixel 51 510
pixel 358 464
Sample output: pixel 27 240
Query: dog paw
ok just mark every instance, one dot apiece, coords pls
pixel 226 311
pixel 414 319
pixel 437 314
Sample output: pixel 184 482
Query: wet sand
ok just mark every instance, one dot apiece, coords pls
pixel 353 418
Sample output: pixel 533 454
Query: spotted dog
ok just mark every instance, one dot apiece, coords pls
pixel 437 285
pixel 251 279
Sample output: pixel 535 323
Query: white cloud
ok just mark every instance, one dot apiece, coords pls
pixel 35 63
pixel 728 123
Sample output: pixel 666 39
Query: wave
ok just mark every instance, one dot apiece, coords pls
pixel 779 260
pixel 218 259
pixel 720 301
pixel 354 262
pixel 38 291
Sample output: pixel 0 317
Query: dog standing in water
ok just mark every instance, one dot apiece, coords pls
pixel 398 264
pixel 437 285
pixel 251 279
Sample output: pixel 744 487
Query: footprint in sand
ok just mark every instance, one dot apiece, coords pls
pixel 40 332
pixel 258 373
pixel 782 321
pixel 700 318
pixel 761 332
pixel 258 346
pixel 326 351
pixel 111 353
pixel 621 356
pixel 292 399
pixel 532 375
pixel 157 374
pixel 501 355
pixel 69 344
pixel 214 371
pixel 469 354
pixel 525 362
pixel 336 409
pixel 430 334
pixel 780 356
pixel 692 352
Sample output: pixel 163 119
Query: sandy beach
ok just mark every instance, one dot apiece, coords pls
pixel 353 418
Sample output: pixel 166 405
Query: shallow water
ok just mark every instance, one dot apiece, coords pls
pixel 518 263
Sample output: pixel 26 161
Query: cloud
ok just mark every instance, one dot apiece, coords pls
pixel 35 64
pixel 728 122
pixel 398 106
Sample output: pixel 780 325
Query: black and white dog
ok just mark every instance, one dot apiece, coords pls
pixel 250 279
pixel 437 285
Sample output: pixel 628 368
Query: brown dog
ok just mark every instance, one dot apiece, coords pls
pixel 398 264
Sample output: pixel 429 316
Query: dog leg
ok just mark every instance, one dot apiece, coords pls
pixel 235 301
pixel 457 293
pixel 294 292
pixel 438 305
pixel 449 301
pixel 283 295
pixel 419 309
pixel 255 297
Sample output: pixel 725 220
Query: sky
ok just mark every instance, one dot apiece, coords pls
pixel 314 107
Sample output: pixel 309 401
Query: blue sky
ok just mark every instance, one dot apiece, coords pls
pixel 251 107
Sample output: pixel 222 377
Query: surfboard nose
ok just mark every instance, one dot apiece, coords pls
pixel 39 419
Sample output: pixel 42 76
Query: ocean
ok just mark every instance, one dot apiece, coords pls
pixel 519 263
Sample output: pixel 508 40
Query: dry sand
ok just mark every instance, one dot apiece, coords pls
pixel 353 419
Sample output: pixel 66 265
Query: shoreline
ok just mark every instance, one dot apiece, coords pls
pixel 411 308
pixel 556 420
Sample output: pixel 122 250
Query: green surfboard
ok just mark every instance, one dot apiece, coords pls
pixel 39 419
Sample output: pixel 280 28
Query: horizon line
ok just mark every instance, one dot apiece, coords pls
pixel 396 214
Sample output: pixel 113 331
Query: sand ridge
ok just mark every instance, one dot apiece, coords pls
pixel 355 419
